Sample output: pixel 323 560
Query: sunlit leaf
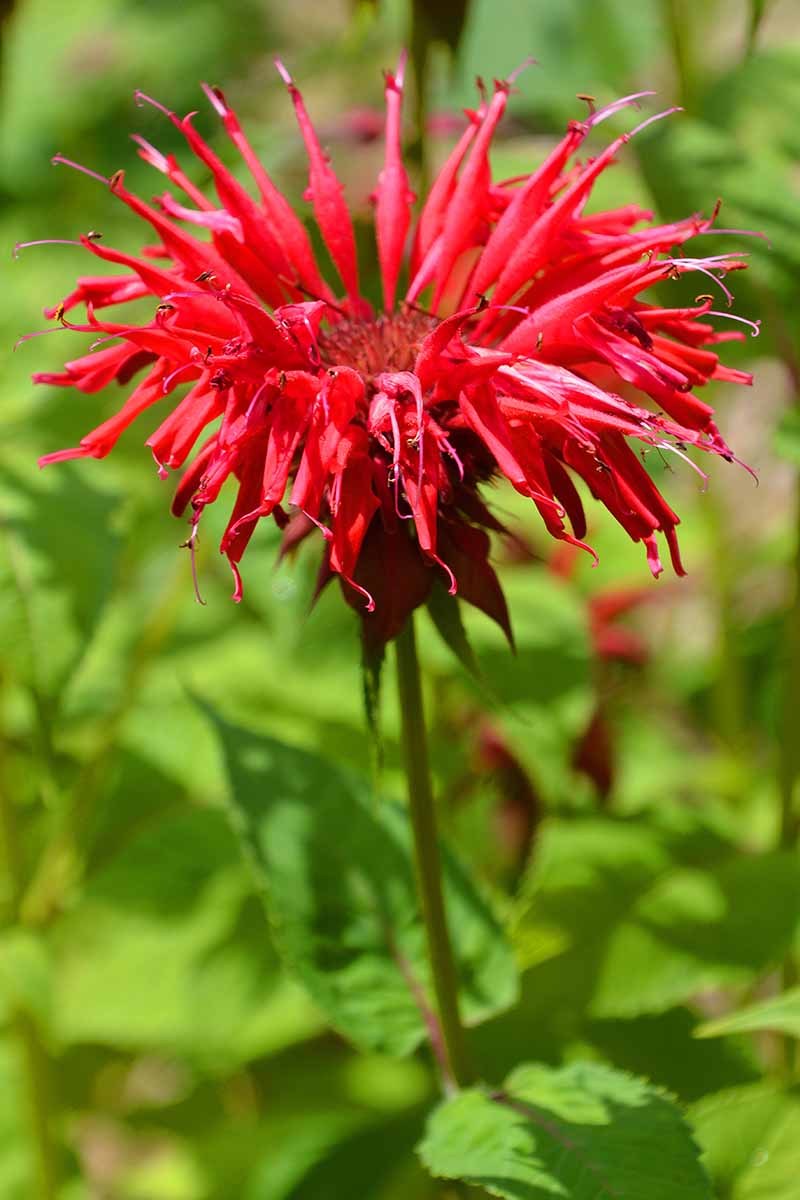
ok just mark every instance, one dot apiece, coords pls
pixel 167 948
pixel 781 1014
pixel 582 1131
pixel 749 1137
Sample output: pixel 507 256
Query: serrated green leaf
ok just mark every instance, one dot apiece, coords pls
pixel 445 613
pixel 781 1014
pixel 336 873
pixel 749 1137
pixel 583 1131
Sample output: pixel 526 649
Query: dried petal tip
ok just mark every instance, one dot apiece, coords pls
pixel 284 74
pixel 216 98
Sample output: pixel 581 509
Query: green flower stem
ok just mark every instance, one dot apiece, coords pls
pixel 428 860
pixel 789 762
pixel 34 1062
pixel 789 743
pixel 41 1108
pixel 677 20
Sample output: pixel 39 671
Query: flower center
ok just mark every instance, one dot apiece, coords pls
pixel 388 343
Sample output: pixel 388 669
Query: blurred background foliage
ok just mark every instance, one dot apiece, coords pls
pixel 623 787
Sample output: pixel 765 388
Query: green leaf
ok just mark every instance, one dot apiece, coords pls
pixel 661 1046
pixel 541 696
pixel 167 949
pixel 749 1137
pixel 651 917
pixel 335 869
pixel 583 1131
pixel 365 1163
pixel 781 1014
pixel 62 583
pixel 445 612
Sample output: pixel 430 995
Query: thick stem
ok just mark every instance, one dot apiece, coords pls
pixel 427 857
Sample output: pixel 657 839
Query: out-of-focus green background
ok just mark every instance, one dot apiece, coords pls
pixel 181 1063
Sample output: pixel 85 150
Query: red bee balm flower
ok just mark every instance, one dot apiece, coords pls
pixel 521 313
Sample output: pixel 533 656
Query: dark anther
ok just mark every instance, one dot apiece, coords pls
pixel 221 380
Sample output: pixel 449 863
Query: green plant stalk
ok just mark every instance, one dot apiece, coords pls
pixel 789 741
pixel 34 1064
pixel 427 859
pixel 41 1109
pixel 789 761
pixel 676 19
pixel 730 690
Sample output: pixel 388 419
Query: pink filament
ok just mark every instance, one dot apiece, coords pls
pixel 67 162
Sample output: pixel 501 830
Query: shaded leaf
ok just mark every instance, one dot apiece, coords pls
pixel 582 1131
pixel 336 873
pixel 653 917
pixel 661 1047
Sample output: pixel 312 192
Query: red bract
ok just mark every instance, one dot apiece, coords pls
pixel 521 313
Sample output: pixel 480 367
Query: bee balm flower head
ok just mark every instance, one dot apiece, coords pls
pixel 510 316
